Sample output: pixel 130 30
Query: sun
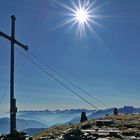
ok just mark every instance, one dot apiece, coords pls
pixel 81 15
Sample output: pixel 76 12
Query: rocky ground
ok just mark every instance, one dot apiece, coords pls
pixel 116 127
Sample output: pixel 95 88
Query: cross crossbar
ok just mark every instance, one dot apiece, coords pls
pixel 15 41
pixel 13 108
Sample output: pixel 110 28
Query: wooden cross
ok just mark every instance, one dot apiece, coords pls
pixel 13 108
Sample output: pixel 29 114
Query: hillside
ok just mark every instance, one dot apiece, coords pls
pixel 46 118
pixel 119 127
pixel 22 124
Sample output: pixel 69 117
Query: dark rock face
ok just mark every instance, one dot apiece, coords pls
pixel 116 111
pixel 83 117
pixel 16 136
pixel 73 134
pixel 77 134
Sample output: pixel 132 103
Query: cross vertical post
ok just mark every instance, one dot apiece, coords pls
pixel 13 108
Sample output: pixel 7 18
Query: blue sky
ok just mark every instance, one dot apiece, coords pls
pixel 106 66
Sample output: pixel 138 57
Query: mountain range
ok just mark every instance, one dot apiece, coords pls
pixel 39 120
pixel 22 124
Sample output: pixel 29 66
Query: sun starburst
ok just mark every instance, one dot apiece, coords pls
pixel 82 15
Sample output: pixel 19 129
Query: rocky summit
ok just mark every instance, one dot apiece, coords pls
pixel 115 127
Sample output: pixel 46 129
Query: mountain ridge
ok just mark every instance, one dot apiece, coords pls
pixel 21 124
pixel 57 117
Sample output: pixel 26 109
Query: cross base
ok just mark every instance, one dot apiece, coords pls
pixel 13 109
pixel 17 136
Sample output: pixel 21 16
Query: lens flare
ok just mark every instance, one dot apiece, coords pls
pixel 81 14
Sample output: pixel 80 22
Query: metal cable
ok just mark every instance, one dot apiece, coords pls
pixel 69 81
pixel 57 80
pixel 8 83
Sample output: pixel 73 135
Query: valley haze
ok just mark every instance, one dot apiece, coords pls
pixel 40 120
